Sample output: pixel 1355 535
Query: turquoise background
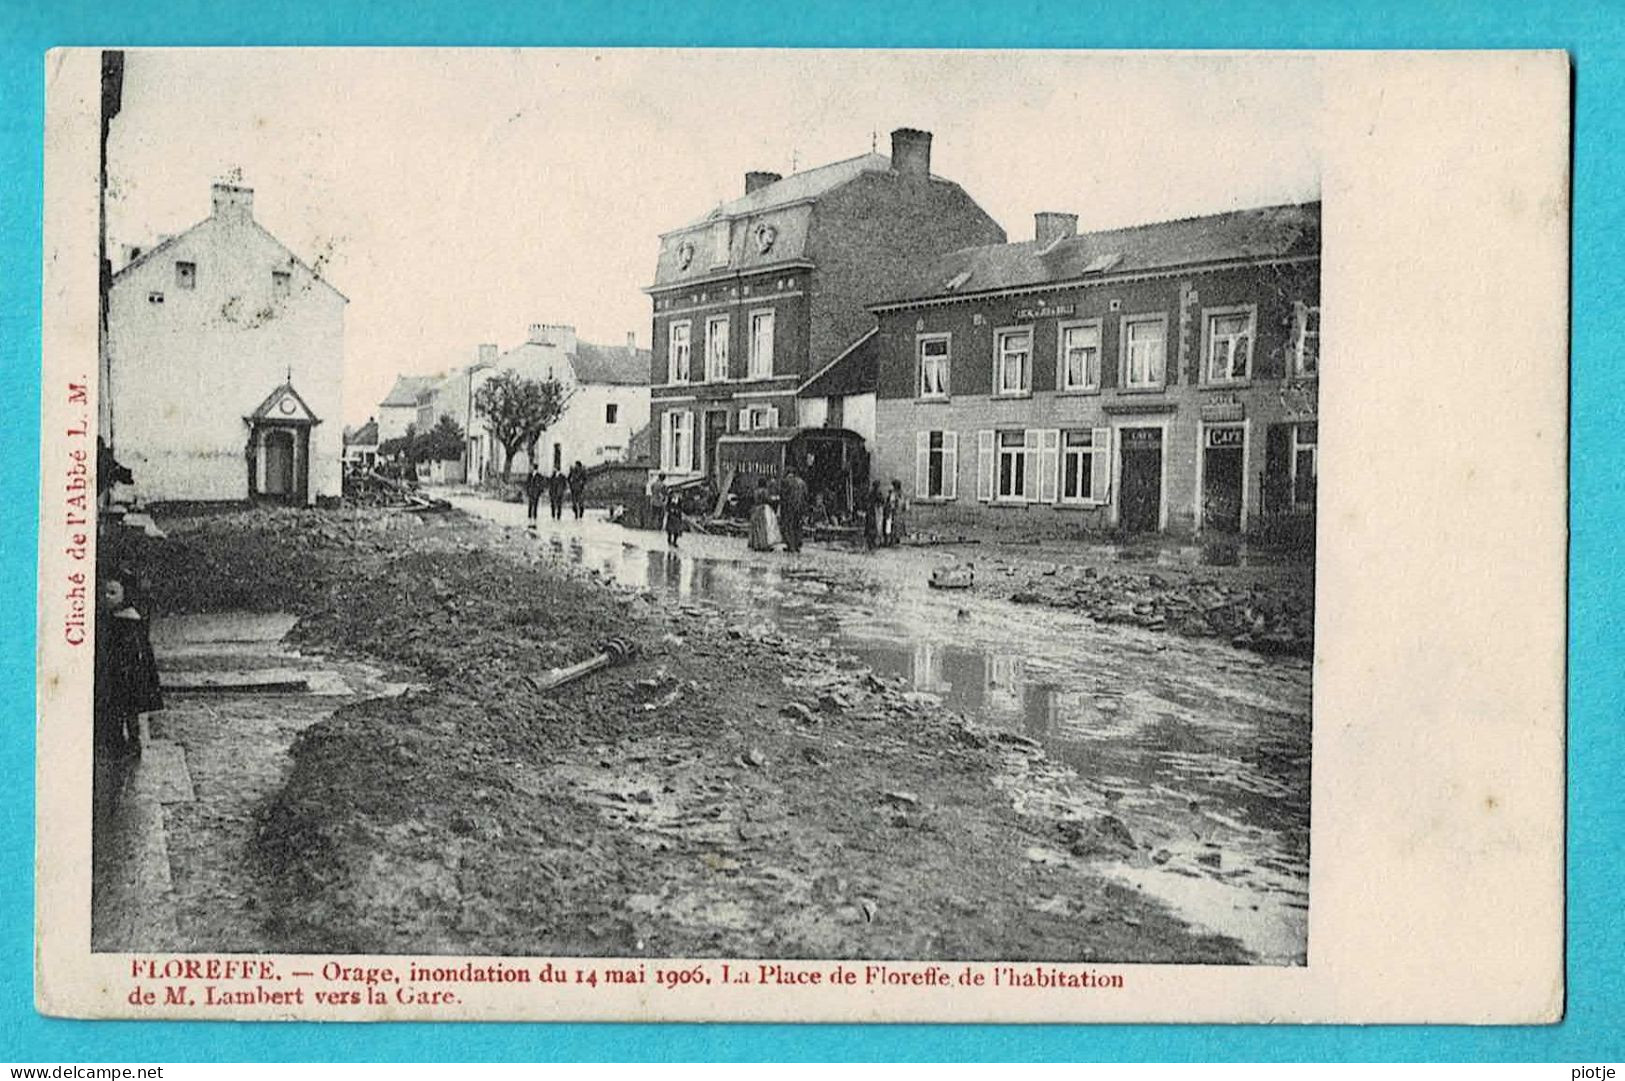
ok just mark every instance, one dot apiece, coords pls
pixel 1594 35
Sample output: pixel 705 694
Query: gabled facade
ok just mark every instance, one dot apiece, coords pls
pixel 399 409
pixel 1158 378
pixel 361 446
pixel 608 400
pixel 756 296
pixel 225 358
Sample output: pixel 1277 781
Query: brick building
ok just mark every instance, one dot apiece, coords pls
pixel 1155 378
pixel 762 292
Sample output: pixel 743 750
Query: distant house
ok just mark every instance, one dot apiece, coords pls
pixel 399 409
pixel 361 445
pixel 608 400
pixel 226 364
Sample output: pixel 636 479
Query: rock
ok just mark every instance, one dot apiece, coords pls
pixel 1103 836
pixel 1045 855
pixel 1161 856
pixel 869 909
pixel 755 758
pixel 1156 581
pixel 831 703
pixel 798 711
pixel 1209 859
pixel 908 799
pixel 644 796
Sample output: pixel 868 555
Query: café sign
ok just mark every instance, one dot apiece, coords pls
pixel 1045 310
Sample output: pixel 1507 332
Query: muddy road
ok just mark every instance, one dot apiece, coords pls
pixel 1200 749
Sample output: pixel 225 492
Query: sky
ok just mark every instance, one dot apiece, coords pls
pixel 457 196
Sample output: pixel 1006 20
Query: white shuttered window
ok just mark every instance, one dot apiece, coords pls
pixel 936 465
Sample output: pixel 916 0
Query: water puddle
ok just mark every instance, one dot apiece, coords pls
pixel 1202 751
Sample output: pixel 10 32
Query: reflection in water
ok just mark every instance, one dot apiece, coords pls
pixel 1202 752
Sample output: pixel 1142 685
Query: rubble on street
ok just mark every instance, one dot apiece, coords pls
pixel 731 789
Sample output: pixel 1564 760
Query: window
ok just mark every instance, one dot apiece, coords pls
pixel 1229 345
pixel 155 297
pixel 677 449
pixel 1085 465
pixel 677 355
pixel 761 345
pixel 719 244
pixel 1080 356
pixel 611 412
pixel 1306 340
pixel 936 465
pixel 716 348
pixel 186 275
pixel 1143 347
pixel 1013 367
pixel 1304 454
pixel 280 284
pixel 1017 464
pixel 758 416
pixel 934 366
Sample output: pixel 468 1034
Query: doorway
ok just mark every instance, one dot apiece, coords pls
pixel 1223 453
pixel 716 426
pixel 280 466
pixel 1140 507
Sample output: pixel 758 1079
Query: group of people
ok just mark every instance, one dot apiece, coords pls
pixel 556 486
pixel 885 516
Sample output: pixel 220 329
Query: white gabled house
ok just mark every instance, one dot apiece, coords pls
pixel 226 365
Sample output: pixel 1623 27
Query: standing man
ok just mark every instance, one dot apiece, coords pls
pixel 555 494
pixel 792 509
pixel 534 483
pixel 578 489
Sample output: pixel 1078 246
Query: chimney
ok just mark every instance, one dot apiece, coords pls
pixel 486 354
pixel 233 202
pixel 1052 226
pixel 911 153
pixel 757 179
pixel 632 340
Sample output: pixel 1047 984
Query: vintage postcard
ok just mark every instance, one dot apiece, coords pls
pixel 797 535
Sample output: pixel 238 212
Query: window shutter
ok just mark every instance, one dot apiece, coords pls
pixel 950 465
pixel 1049 464
pixel 772 416
pixel 984 465
pixel 665 441
pixel 1029 451
pixel 922 465
pixel 1100 468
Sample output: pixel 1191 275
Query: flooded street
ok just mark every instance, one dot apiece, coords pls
pixel 1199 749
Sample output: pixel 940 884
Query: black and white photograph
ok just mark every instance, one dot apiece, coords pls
pixel 744 507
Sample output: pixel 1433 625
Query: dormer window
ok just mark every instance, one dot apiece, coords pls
pixel 719 244
pixel 185 275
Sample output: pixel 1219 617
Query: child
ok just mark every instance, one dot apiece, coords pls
pixel 126 671
pixel 674 518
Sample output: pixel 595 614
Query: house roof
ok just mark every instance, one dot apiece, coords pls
pixel 852 372
pixel 798 187
pixel 364 436
pixel 407 388
pixel 618 365
pixel 1261 233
